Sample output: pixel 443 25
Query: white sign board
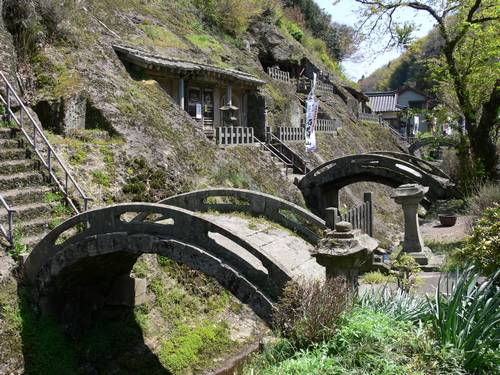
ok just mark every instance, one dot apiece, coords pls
pixel 198 111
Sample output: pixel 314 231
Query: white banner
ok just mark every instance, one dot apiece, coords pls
pixel 312 106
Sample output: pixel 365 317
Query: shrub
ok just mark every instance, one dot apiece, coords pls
pixel 468 319
pixel 294 29
pixel 406 271
pixel 307 311
pixel 377 277
pixel 484 196
pixel 482 248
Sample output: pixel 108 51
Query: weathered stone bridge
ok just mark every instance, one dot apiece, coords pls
pixel 73 268
pixel 321 186
pixel 439 141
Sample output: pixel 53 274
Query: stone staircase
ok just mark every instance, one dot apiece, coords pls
pixel 25 188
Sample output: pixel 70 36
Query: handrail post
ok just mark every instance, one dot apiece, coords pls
pixel 7 94
pixel 11 225
pixel 49 161
pixel 367 197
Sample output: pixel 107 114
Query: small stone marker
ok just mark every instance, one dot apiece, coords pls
pixel 409 196
pixel 344 251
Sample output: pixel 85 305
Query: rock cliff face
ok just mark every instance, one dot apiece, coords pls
pixel 134 130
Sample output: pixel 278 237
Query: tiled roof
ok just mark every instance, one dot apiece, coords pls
pixel 147 59
pixel 383 101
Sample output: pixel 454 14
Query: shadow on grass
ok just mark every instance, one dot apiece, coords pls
pixel 113 344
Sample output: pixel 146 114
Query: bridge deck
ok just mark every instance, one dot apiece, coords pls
pixel 273 240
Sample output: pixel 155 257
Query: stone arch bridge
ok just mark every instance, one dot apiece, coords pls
pixel 74 267
pixel 439 141
pixel 321 186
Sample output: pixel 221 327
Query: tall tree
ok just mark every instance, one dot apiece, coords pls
pixel 470 50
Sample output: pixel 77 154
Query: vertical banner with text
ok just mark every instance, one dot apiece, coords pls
pixel 312 106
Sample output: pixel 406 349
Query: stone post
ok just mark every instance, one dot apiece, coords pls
pixel 409 196
pixel 180 93
pixel 344 251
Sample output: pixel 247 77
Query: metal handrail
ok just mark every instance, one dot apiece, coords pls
pixel 34 143
pixel 8 232
pixel 302 167
pixel 274 151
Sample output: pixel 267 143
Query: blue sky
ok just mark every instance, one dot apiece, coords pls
pixel 346 12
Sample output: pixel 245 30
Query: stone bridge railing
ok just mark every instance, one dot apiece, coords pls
pixel 440 141
pixel 73 250
pixel 234 135
pixel 422 164
pixel 278 210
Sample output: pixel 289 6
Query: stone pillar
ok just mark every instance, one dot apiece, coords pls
pixel 331 217
pixel 180 93
pixel 330 198
pixel 409 196
pixel 344 251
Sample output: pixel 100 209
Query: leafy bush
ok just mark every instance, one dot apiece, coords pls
pixel 294 29
pixel 307 311
pixel 406 271
pixel 482 248
pixel 468 320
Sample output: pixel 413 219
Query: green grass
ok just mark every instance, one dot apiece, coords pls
pixel 162 37
pixel 79 156
pixel 61 210
pixel 366 342
pixel 51 197
pixel 377 277
pixel 101 178
pixel 194 346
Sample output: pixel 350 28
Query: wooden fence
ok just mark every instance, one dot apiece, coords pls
pixel 369 117
pixel 289 134
pixel 327 126
pixel 278 74
pixel 234 135
pixel 360 217
pixel 324 87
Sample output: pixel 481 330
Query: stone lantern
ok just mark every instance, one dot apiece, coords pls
pixel 344 251
pixel 409 196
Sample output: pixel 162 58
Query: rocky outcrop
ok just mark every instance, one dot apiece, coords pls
pixel 8 59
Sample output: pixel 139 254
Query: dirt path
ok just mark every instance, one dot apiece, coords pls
pixel 432 230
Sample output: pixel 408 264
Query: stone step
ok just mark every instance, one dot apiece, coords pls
pixel 29 211
pixel 20 180
pixel 26 195
pixel 41 225
pixel 16 166
pixel 32 241
pixel 9 143
pixel 7 133
pixel 12 154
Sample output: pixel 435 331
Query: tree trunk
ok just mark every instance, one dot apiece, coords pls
pixel 483 143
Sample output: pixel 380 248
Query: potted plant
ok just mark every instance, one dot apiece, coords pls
pixel 447 219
